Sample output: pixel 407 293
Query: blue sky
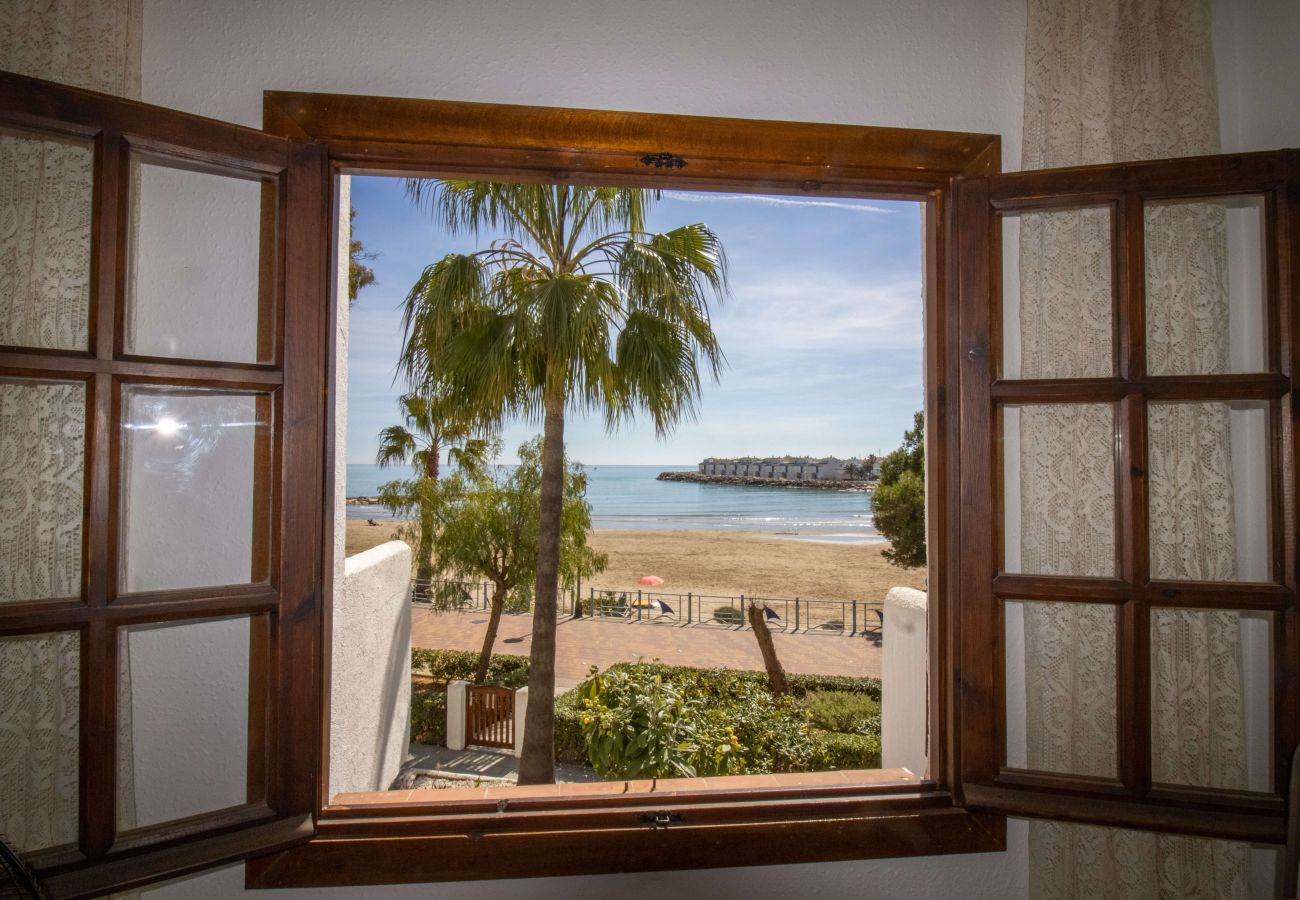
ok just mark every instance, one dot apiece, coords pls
pixel 822 329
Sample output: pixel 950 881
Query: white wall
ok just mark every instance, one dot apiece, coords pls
pixel 370 693
pixel 951 64
pixel 905 672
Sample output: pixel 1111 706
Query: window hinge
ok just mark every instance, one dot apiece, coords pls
pixel 659 820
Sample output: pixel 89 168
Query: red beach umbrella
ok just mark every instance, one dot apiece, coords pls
pixel 651 581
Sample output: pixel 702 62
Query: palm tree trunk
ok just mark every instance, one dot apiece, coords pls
pixel 775 674
pixel 537 762
pixel 494 621
pixel 424 563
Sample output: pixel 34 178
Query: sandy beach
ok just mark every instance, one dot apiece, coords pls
pixel 715 562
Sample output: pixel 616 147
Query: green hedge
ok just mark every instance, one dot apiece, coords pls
pixel 843 712
pixel 846 751
pixel 719 682
pixel 570 746
pixel 429 715
pixel 449 665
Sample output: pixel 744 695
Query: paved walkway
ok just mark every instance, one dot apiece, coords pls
pixel 582 643
pixel 480 762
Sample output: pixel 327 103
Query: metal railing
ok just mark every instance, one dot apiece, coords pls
pixel 806 616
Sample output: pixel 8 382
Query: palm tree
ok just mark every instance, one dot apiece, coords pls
pixel 427 430
pixel 573 305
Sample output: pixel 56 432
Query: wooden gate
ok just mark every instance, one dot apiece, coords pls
pixel 490 716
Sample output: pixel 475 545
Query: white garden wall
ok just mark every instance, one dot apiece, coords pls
pixel 370 683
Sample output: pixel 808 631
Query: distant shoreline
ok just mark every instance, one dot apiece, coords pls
pixel 840 484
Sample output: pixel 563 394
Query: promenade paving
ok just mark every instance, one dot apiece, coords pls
pixel 582 643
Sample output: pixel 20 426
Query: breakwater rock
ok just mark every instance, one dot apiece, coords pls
pixel 757 481
pixel 362 501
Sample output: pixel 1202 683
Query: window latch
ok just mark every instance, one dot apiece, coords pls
pixel 659 821
pixel 663 161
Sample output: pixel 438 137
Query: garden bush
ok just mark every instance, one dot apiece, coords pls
pixel 845 751
pixel 722 682
pixel 843 712
pixel 449 665
pixel 429 714
pixel 728 614
pixel 652 720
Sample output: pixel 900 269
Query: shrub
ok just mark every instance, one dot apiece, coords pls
pixel 429 714
pixel 728 614
pixel 844 712
pixel 650 718
pixel 636 725
pixel 449 665
pixel 716 683
pixel 845 751
pixel 570 745
pixel 802 685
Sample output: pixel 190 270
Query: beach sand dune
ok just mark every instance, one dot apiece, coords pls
pixel 725 563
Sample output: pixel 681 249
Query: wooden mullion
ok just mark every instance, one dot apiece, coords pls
pixel 42 616
pixel 220 376
pixel 1133 646
pixel 1061 588
pixel 98 739
pixel 1060 390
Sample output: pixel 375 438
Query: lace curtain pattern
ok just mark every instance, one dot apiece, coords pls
pixel 1108 81
pixel 45 201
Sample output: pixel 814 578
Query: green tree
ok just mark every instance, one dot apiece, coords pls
pixel 360 275
pixel 428 428
pixel 898 503
pixel 488 530
pixel 572 305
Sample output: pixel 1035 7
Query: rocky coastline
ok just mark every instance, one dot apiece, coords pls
pixel 757 481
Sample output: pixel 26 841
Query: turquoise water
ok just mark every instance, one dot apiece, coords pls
pixel 629 497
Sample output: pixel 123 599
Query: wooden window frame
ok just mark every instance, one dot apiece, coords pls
pixel 1130 799
pixel 283 594
pixel 379 838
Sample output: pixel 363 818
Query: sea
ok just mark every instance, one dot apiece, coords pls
pixel 629 498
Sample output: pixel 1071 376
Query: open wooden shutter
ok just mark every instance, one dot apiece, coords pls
pixel 1111 418
pixel 168 360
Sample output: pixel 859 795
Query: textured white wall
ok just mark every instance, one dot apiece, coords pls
pixel 948 64
pixel 370 721
pixel 905 669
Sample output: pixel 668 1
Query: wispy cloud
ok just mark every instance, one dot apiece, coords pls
pixel 822 312
pixel 763 200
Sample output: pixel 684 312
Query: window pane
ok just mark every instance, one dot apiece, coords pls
pixel 1205 269
pixel 46 190
pixel 1057 294
pixel 1209 491
pixel 198 266
pixel 40 690
pixel 193 503
pixel 1061 687
pixel 186 751
pixel 1211 699
pixel 42 485
pixel 1059 489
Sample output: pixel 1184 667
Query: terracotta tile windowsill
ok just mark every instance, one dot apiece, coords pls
pixel 453 800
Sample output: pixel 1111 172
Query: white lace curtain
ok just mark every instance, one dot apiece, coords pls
pixel 45 220
pixel 1109 81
